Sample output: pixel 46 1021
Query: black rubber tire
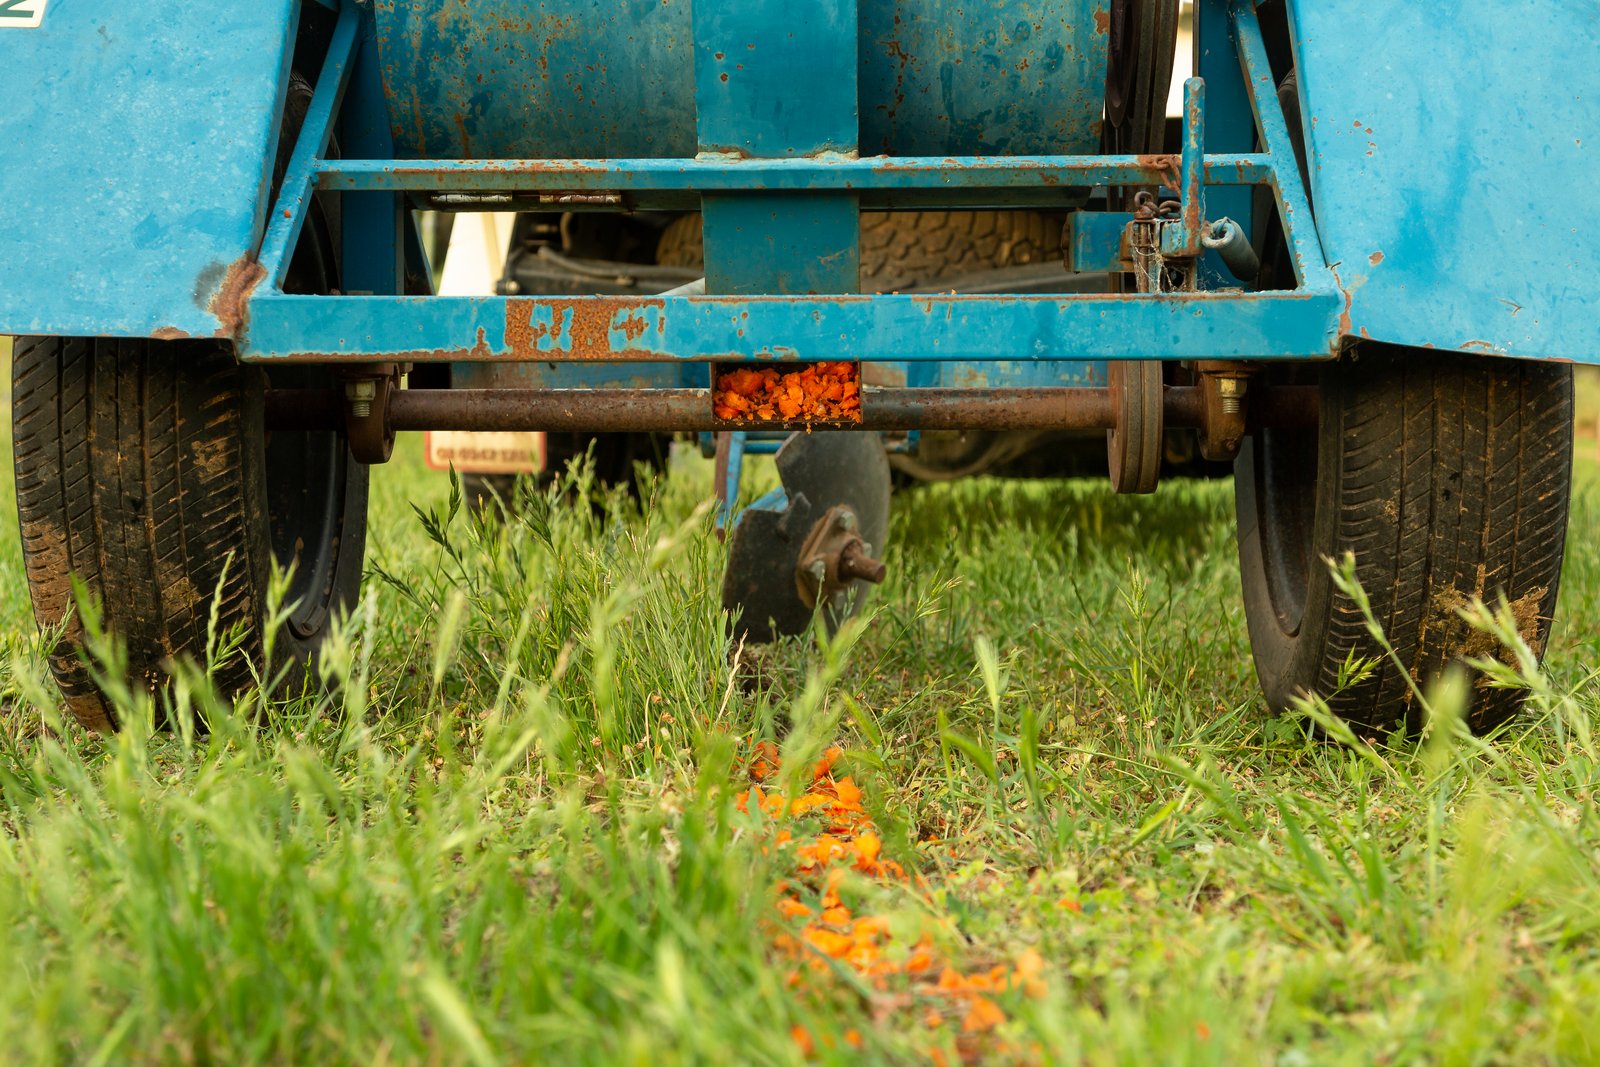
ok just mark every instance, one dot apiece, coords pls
pixel 1144 38
pixel 141 470
pixel 901 250
pixel 1448 476
pixel 486 493
pixel 617 456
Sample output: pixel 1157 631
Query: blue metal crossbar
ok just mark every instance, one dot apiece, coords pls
pixel 1285 325
pixel 1294 207
pixel 825 172
pixel 289 213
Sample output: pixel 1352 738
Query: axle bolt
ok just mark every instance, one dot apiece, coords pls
pixel 361 393
pixel 855 561
pixel 845 521
pixel 1231 390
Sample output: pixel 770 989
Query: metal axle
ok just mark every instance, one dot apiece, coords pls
pixel 689 410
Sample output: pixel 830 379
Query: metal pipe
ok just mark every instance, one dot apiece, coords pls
pixel 1227 238
pixel 689 410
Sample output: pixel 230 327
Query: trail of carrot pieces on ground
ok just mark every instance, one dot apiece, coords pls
pixel 818 392
pixel 915 982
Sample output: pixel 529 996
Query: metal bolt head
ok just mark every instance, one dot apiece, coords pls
pixel 817 569
pixel 361 392
pixel 845 520
pixel 1231 391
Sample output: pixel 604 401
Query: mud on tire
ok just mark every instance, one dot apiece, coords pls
pixel 1448 477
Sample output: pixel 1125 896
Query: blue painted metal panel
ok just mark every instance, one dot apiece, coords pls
pixel 1295 325
pixel 1000 77
pixel 141 147
pixel 542 79
pixel 681 375
pixel 1229 126
pixel 1004 373
pixel 552 79
pixel 1094 241
pixel 785 244
pixel 1447 146
pixel 750 56
pixel 373 253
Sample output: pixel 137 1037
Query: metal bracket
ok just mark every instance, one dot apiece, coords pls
pixel 367 427
pixel 833 558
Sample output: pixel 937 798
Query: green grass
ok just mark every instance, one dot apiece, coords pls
pixel 509 834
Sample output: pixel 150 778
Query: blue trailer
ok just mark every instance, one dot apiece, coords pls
pixel 1351 267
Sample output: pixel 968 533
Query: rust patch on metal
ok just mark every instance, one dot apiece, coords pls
pixel 1169 165
pixel 521 337
pixel 633 326
pixel 1102 22
pixel 169 333
pixel 628 317
pixel 232 299
pixel 586 325
pixel 1375 258
pixel 589 327
pixel 1349 294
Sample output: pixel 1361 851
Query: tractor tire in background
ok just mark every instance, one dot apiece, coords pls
pixel 1448 477
pixel 900 250
pixel 619 459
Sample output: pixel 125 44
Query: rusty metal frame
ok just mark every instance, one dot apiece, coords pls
pixel 1283 325
pixel 1304 323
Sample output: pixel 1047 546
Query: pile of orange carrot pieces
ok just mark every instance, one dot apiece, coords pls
pixel 814 392
pixel 829 835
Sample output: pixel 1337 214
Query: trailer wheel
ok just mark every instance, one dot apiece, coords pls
pixel 1448 477
pixel 143 471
